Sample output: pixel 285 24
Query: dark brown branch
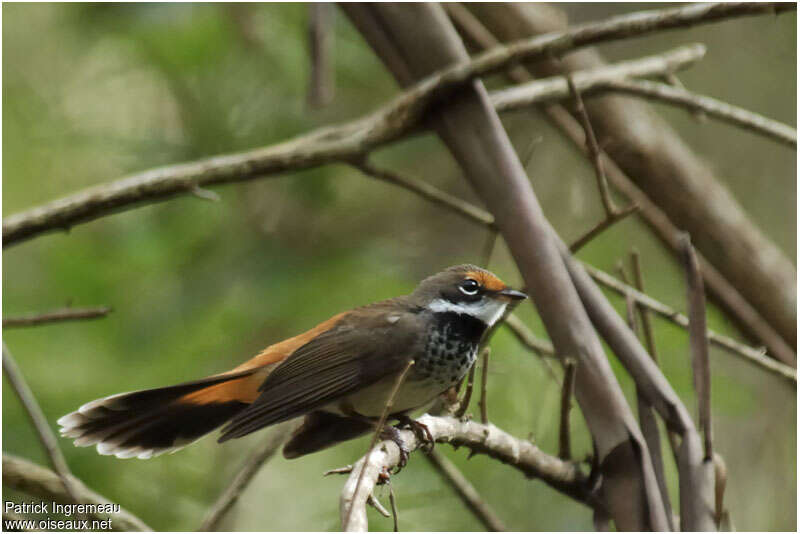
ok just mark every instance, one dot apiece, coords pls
pixel 39 421
pixel 483 402
pixel 27 477
pixel 466 492
pixel 273 441
pixel 567 391
pixel 56 316
pixel 698 339
pixel 463 404
pixel 711 107
pixel 353 139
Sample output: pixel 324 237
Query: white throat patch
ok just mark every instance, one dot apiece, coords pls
pixel 488 310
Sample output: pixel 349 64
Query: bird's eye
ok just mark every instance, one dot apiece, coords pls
pixel 469 287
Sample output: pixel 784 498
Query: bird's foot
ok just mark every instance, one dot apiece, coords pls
pixel 420 430
pixel 392 434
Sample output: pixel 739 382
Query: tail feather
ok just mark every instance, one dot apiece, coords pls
pixel 147 423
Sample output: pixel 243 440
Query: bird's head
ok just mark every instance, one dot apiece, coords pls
pixel 467 290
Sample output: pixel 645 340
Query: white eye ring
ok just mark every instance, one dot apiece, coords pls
pixel 469 287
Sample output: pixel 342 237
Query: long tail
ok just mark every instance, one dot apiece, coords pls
pixel 147 423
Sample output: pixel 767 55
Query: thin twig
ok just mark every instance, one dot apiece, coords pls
pixel 320 36
pixel 395 511
pixel 39 421
pixel 464 403
pixel 567 390
pixel 698 339
pixel 594 150
pixel 483 402
pixel 644 315
pixel 356 138
pixel 600 227
pixel 466 492
pixel 751 354
pixel 373 501
pixel 720 482
pixel 56 316
pixel 276 437
pixel 346 523
pixel 711 107
pixel 649 424
pixel 27 477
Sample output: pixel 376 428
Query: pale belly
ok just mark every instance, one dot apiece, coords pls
pixel 370 401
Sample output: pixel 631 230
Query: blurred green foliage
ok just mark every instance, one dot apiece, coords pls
pixel 94 91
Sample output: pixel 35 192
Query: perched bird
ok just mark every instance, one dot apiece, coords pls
pixel 338 375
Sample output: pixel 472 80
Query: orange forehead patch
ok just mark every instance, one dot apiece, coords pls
pixel 487 280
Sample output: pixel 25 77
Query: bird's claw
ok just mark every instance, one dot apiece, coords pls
pixel 392 434
pixel 421 431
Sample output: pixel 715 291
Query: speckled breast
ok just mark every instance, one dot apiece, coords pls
pixel 450 349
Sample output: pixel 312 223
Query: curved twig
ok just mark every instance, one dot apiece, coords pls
pixel 564 476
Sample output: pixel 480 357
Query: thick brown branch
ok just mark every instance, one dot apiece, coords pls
pixel 25 476
pixel 56 316
pixel 481 439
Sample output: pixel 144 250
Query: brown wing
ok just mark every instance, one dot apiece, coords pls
pixel 362 348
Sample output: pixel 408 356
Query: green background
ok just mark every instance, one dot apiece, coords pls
pixel 93 92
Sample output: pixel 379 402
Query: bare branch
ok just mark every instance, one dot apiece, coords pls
pixel 25 476
pixel 273 441
pixel 395 511
pixel 56 316
pixel 734 347
pixel 542 347
pixel 710 106
pixel 356 138
pixel 351 522
pixel 427 191
pixel 39 421
pixel 463 404
pixel 661 144
pixel 481 439
pixel 567 390
pixel 698 339
pixel 466 492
